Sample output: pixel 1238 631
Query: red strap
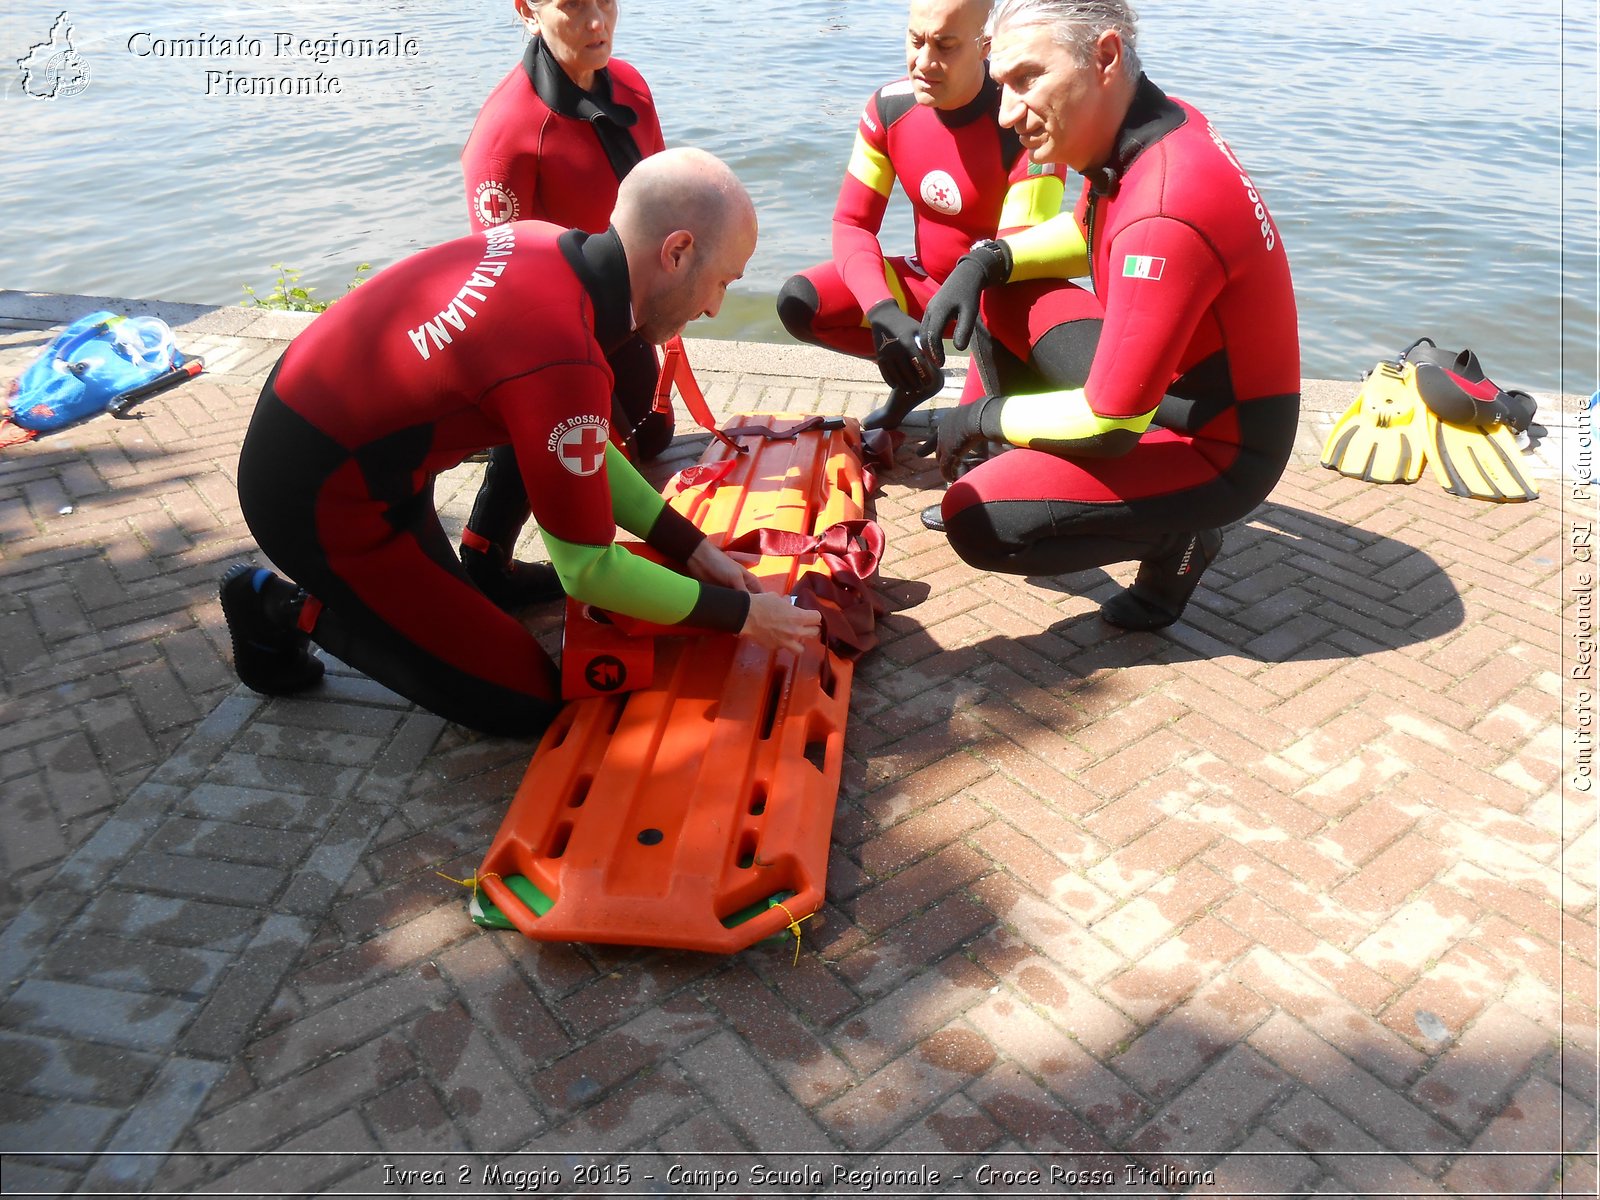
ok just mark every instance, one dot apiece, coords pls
pixel 702 475
pixel 310 610
pixel 14 435
pixel 854 546
pixel 777 435
pixel 675 369
pixel 843 595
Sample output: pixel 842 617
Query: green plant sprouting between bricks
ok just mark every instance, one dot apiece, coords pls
pixel 288 296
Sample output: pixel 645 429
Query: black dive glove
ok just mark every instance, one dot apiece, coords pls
pixel 965 427
pixel 905 365
pixel 985 265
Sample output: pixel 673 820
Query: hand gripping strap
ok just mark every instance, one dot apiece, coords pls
pixel 843 594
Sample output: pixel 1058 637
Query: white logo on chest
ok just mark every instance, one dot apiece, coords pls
pixel 939 191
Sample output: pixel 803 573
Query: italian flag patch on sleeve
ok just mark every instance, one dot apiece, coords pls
pixel 1142 266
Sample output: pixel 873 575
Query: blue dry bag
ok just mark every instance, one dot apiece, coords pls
pixel 94 360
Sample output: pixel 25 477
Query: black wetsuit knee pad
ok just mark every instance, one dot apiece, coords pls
pixel 798 305
pixel 1064 356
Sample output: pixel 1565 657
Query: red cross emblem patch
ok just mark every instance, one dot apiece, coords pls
pixel 940 190
pixel 495 203
pixel 582 448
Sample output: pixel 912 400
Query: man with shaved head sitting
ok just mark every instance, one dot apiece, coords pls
pixel 500 337
pixel 968 180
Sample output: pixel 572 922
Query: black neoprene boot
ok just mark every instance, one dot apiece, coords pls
pixel 270 653
pixel 498 514
pixel 1164 584
pixel 509 584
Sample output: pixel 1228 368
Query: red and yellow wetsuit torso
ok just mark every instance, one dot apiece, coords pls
pixel 1190 390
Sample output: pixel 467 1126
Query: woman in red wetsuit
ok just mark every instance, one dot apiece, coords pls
pixel 552 143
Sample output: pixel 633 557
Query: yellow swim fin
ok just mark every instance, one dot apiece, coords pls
pixel 1484 464
pixel 1381 437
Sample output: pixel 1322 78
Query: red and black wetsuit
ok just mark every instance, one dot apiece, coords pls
pixel 1178 378
pixel 967 179
pixel 499 337
pixel 544 149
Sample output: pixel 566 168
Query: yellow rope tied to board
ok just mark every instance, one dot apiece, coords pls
pixel 794 927
pixel 471 881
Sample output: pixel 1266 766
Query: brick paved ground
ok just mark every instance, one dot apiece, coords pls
pixel 1292 893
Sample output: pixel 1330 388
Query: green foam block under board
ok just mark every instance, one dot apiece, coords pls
pixel 485 913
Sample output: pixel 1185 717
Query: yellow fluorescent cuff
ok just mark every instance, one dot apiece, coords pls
pixel 1060 417
pixel 871 167
pixel 1030 201
pixel 1053 249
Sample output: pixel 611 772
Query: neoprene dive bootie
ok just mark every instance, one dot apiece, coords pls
pixel 1164 584
pixel 271 655
pixel 509 584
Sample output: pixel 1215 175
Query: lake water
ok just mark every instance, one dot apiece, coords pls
pixel 1431 166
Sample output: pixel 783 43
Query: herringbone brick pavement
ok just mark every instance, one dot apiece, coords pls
pixel 1295 898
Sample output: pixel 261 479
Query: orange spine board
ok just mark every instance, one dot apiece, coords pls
pixel 654 817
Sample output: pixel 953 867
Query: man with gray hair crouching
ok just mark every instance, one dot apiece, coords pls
pixel 1160 406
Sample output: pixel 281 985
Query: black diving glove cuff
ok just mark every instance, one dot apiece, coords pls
pixel 994 258
pixel 964 427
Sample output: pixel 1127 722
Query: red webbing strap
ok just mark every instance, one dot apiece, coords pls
pixel 701 475
pixel 675 369
pixel 877 454
pixel 14 435
pixel 845 599
pixel 778 435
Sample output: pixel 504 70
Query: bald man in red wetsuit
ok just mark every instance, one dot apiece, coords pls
pixel 967 179
pixel 1162 405
pixel 496 338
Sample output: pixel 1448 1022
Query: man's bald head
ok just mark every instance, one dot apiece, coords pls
pixel 682 189
pixel 688 227
pixel 945 48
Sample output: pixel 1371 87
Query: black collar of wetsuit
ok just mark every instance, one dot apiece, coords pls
pixel 555 87
pixel 610 119
pixel 1150 117
pixel 985 103
pixel 601 266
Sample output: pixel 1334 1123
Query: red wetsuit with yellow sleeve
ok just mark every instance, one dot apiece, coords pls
pixel 1167 399
pixel 495 338
pixel 966 178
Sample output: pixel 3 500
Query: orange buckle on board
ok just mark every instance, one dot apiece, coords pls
pixel 696 813
pixel 603 653
pixel 599 658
